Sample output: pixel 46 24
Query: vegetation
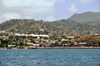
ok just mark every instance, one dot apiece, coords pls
pixel 60 27
pixel 89 39
pixel 78 25
pixel 21 42
pixel 86 17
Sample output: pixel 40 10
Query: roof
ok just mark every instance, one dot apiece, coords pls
pixel 37 41
pixel 11 45
pixel 82 43
pixel 70 36
pixel 29 43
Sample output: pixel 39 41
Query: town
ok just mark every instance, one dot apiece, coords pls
pixel 10 40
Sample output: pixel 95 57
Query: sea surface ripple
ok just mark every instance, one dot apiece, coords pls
pixel 50 57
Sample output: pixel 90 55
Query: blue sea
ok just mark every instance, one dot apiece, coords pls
pixel 50 57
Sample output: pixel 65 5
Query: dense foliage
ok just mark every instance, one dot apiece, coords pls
pixel 86 17
pixel 89 39
pixel 67 27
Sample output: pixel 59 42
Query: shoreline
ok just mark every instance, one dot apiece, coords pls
pixel 68 47
pixel 55 48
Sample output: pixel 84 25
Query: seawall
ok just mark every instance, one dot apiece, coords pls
pixel 68 48
pixel 60 48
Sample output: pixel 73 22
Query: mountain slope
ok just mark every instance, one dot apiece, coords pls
pixel 68 27
pixel 86 17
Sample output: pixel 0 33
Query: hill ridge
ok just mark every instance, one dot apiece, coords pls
pixel 85 17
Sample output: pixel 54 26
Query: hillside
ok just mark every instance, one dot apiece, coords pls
pixel 66 27
pixel 25 25
pixel 85 17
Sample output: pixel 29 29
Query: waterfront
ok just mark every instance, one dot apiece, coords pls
pixel 50 57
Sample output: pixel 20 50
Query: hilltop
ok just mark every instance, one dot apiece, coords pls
pixel 85 17
pixel 64 27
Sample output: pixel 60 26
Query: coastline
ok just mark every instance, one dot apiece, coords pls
pixel 68 47
pixel 55 48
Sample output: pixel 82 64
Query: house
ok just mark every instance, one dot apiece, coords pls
pixel 31 36
pixel 36 45
pixel 5 37
pixel 70 37
pixel 96 45
pixel 82 43
pixel 46 45
pixel 96 34
pixel 41 30
pixel 31 44
pixel 75 43
pixel 65 40
pixel 11 45
pixel 20 35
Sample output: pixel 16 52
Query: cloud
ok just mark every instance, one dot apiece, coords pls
pixel 73 8
pixel 50 18
pixel 85 1
pixel 26 9
pixel 8 16
pixel 59 1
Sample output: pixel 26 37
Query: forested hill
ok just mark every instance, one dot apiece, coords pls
pixel 67 27
pixel 86 17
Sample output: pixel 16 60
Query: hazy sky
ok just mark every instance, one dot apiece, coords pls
pixel 47 10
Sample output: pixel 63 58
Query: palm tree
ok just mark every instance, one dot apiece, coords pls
pixel 5 42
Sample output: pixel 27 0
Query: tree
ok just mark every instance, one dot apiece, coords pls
pixel 72 40
pixel 10 36
pixel 21 44
pixel 6 41
pixel 0 42
pixel 17 43
pixel 56 42
pixel 89 43
pixel 64 42
pixel 63 36
pixel 32 40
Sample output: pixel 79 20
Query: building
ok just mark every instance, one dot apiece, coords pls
pixel 82 43
pixel 70 37
pixel 31 36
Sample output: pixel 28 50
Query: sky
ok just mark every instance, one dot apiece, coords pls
pixel 46 10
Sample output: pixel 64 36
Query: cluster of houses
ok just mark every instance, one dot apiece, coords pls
pixel 50 43
pixel 46 42
pixel 31 36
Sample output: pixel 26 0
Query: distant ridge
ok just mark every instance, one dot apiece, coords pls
pixel 62 27
pixel 85 17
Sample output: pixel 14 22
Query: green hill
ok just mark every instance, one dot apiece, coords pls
pixel 66 27
pixel 85 17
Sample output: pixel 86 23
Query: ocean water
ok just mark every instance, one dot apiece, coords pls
pixel 50 57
